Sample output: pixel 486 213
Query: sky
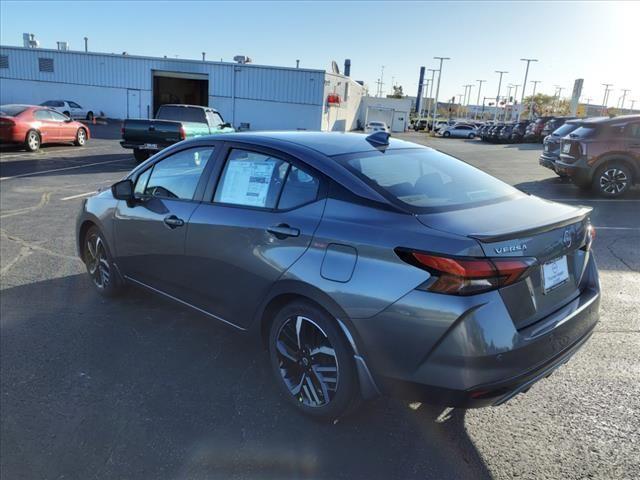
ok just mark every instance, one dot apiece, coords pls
pixel 596 41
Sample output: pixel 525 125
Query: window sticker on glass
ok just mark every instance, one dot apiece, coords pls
pixel 247 183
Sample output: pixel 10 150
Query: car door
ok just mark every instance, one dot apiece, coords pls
pixel 48 128
pixel 150 232
pixel 633 142
pixel 77 111
pixel 66 129
pixel 258 222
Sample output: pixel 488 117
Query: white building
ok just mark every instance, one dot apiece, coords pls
pixel 126 86
pixel 392 111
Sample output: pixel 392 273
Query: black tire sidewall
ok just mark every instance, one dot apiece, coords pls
pixel 140 155
pixel 446 134
pixel 348 388
pixel 114 286
pixel 595 185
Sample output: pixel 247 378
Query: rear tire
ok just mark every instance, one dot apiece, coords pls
pixel 67 114
pixel 81 138
pixel 140 155
pixel 90 116
pixel 612 180
pixel 99 263
pixel 446 134
pixel 32 141
pixel 312 362
pixel 471 136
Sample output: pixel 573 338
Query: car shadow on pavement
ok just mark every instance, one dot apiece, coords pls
pixel 54 165
pixel 562 187
pixel 138 387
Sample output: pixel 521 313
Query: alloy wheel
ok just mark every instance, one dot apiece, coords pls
pixel 82 137
pixel 97 262
pixel 307 361
pixel 33 141
pixel 613 181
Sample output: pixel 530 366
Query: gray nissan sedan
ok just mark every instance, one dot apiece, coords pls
pixel 363 264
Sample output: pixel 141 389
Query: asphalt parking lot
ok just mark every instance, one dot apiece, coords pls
pixel 141 388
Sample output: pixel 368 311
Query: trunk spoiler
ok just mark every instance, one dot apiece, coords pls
pixel 579 215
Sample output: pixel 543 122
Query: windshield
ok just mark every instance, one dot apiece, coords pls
pixel 12 110
pixel 426 180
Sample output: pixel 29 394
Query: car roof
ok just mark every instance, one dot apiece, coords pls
pixel 326 143
pixel 611 120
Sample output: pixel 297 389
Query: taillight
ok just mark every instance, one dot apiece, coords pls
pixel 6 122
pixel 183 134
pixel 466 276
pixel 122 130
pixel 590 237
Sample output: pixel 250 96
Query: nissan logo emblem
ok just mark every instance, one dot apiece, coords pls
pixel 566 238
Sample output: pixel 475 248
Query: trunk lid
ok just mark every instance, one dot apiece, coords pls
pixel 152 131
pixel 552 233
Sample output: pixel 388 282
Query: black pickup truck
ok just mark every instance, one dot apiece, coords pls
pixel 172 124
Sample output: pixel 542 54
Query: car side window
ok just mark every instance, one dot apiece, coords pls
pixel 214 119
pixel 141 182
pixel 42 115
pixel 299 188
pixel 74 105
pixel 251 179
pixel 177 176
pixel 57 117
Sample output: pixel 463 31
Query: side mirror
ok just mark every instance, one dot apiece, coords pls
pixel 225 125
pixel 123 190
pixel 68 120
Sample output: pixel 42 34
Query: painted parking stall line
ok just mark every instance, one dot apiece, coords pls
pixel 31 174
pixel 80 195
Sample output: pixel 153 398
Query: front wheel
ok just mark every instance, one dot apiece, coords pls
pixel 471 136
pixel 99 264
pixel 140 155
pixel 81 138
pixel 312 362
pixel 32 142
pixel 446 134
pixel 612 180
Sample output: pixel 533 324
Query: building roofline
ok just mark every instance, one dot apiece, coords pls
pixel 144 57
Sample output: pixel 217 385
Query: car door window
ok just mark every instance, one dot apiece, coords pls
pixel 74 105
pixel 57 117
pixel 214 119
pixel 633 130
pixel 299 189
pixel 177 176
pixel 141 183
pixel 251 179
pixel 42 115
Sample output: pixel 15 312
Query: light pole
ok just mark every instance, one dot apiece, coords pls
pixel 515 100
pixel 506 102
pixel 424 95
pixel 606 94
pixel 533 97
pixel 624 96
pixel 433 76
pixel 460 97
pixel 435 106
pixel 468 98
pixel 524 85
pixel 633 102
pixel 480 82
pixel 501 72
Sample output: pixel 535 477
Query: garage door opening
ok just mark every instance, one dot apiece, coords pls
pixel 177 87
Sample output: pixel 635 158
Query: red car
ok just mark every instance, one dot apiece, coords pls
pixel 33 126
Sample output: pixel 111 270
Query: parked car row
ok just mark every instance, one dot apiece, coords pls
pixel 32 126
pixel 529 131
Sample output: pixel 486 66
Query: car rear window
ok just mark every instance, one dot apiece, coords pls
pixel 182 114
pixel 426 180
pixel 565 129
pixel 376 124
pixel 584 132
pixel 12 110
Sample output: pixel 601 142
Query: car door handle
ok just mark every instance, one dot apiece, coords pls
pixel 173 222
pixel 283 230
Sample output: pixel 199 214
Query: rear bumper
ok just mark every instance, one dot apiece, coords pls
pixel 578 171
pixel 548 160
pixel 141 146
pixel 469 353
